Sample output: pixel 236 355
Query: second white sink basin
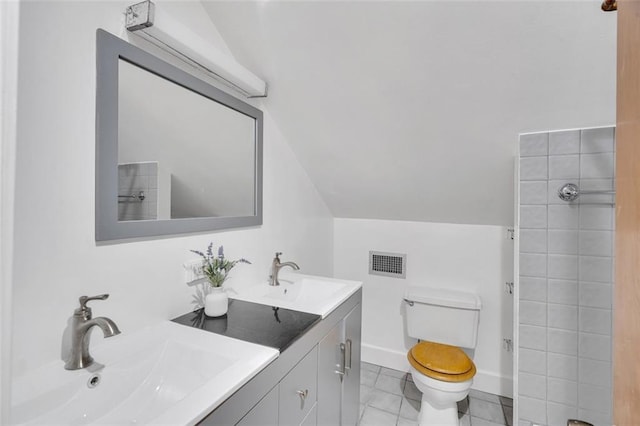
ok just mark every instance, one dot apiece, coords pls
pixel 165 374
pixel 305 293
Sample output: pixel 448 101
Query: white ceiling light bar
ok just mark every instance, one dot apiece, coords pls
pixel 158 27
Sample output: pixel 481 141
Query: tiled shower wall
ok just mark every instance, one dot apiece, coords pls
pixel 133 178
pixel 566 278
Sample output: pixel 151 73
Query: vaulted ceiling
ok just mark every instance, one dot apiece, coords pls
pixel 411 110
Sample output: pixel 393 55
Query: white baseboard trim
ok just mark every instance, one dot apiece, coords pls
pixel 484 381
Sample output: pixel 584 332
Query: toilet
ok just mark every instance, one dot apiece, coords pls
pixel 444 321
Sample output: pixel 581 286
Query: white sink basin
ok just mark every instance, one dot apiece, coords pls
pixel 165 374
pixel 305 293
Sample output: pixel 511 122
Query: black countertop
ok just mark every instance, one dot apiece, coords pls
pixel 265 325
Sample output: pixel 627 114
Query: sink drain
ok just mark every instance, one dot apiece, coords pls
pixel 93 381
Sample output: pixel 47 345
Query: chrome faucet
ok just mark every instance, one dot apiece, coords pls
pixel 81 324
pixel 276 265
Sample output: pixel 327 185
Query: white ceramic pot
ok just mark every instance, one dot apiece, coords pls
pixel 216 302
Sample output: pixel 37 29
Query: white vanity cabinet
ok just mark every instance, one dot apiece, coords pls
pixel 298 392
pixel 292 401
pixel 339 372
pixel 265 413
pixel 303 386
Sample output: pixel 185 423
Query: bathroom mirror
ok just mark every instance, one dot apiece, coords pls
pixel 174 154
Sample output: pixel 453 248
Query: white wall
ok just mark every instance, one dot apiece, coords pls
pixel 9 13
pixel 418 100
pixel 56 257
pixel 476 258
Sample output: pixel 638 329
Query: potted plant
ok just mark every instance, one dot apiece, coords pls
pixel 216 268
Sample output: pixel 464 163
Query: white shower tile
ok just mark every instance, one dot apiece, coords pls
pixel 125 183
pixel 600 185
pixel 596 217
pixel 594 372
pixel 596 243
pixel 597 140
pixel 596 185
pixel 532 409
pixel 562 366
pixel 533 168
pixel 533 265
pixel 140 182
pixel 533 216
pixel 564 166
pixel 563 267
pixel 596 166
pixel 153 182
pixel 534 289
pixel 532 361
pixel 565 142
pixel 563 216
pixel 562 341
pixel 533 313
pixel 563 241
pixel 593 320
pixel 533 241
pixel 595 295
pixel 596 398
pixel 533 192
pixel 557 414
pixel 562 316
pixel 533 385
pixel 534 144
pixel 562 391
pixel 594 346
pixel 596 269
pixel 562 291
pixel 533 337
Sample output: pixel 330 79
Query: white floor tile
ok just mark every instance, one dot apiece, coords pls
pixel 385 401
pixel 390 384
pixel 374 417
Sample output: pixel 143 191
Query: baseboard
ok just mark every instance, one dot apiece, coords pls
pixel 484 381
pixel 385 357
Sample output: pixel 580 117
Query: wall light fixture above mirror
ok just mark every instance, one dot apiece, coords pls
pixel 174 154
pixel 159 27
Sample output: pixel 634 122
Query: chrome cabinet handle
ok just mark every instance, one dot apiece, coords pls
pixel 347 356
pixel 341 367
pixel 303 396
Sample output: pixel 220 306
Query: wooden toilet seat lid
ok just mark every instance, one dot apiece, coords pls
pixel 441 362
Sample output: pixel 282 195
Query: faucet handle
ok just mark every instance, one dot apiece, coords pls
pixel 84 299
pixel 278 254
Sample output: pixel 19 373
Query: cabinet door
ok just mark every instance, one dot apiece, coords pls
pixel 351 382
pixel 329 381
pixel 298 390
pixel 265 412
pixel 311 419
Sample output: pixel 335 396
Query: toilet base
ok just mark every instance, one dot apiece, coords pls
pixel 439 399
pixel 430 415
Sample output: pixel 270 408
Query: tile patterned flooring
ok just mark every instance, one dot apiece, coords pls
pixel 389 398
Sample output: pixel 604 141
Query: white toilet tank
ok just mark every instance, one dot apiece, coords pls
pixel 442 316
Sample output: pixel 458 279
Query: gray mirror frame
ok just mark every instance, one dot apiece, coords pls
pixel 110 49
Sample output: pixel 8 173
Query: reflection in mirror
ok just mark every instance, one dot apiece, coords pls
pixel 198 163
pixel 173 153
